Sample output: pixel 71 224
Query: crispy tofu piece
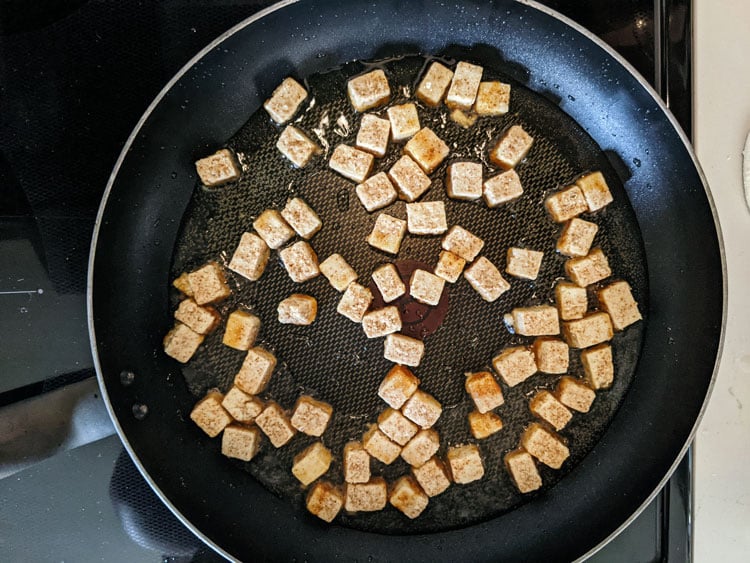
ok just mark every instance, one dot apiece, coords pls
pixel 572 300
pixel 297 146
pixel 250 257
pixel 273 228
pixel 373 135
pixel 243 407
pixel 524 263
pixel 449 266
pixel 493 98
pixel 465 463
pixel 464 118
pixel 401 349
pixel 484 425
pixel 311 463
pixel 566 204
pixel 464 86
pixel 595 190
pixel 209 415
pixel 256 370
pixel 182 284
pixel 275 424
pixel 240 442
pixel 574 394
pixel 387 233
pixel 355 302
pixel 310 416
pixel 552 355
pixel 382 322
pixel 617 300
pixel 514 365
pixel 380 446
pixel 461 242
pixel 301 218
pixel 545 406
pixel 421 447
pixel 404 121
pixel 200 319
pixel 434 84
pixel 542 320
pixel 522 469
pixel 368 90
pixel 589 331
pixel 338 272
pixel 512 148
pixel 376 192
pixel 427 149
pixel 285 100
pixel 182 342
pixel 426 287
pixel 486 279
pixel 351 163
pixel 598 366
pixel 463 180
pixel 389 282
pixel 409 179
pixel 577 237
pixel 300 261
pixel 298 309
pixel 366 497
pixel 502 188
pixel 422 408
pixel 588 269
pixel 408 497
pixel 426 218
pixel 356 463
pixel 398 386
pixel 545 445
pixel 241 330
pixel 396 426
pixel 483 390
pixel 432 476
pixel 209 284
pixel 324 501
pixel 217 169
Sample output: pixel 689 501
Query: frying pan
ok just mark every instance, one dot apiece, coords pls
pixel 210 99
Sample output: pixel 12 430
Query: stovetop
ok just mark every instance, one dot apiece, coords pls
pixel 75 77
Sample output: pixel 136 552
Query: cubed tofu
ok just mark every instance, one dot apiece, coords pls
pixel 461 242
pixel 285 100
pixel 376 192
pixel 275 424
pixel 355 302
pixel 382 322
pixel 575 394
pixel 273 228
pixel 545 406
pixel 464 118
pixel 463 180
pixel 493 98
pixel 408 497
pixel 356 463
pixel 427 149
pixel 598 366
pixel 297 309
pixel 182 342
pixel 402 349
pixel 398 386
pixel 486 279
pixel 577 237
pixel 502 188
pixel 182 284
pixel 311 463
pixel 426 218
pixel 240 442
pixel 300 261
pixel 542 320
pixel 404 121
pixel 387 233
pixel 241 330
pixel 351 163
pixel 388 282
pixel 484 425
pixel 483 390
pixel 512 148
pixel 464 86
pixel 434 84
pixel 368 90
pixel 218 168
pixel 310 416
pixel 373 135
pixel 589 269
pixel 301 218
pixel 617 300
pixel 201 319
pixel 566 204
pixel 256 370
pixel 396 426
pixel 589 331
pixel 380 446
pixel 572 301
pixel 449 266
pixel 552 355
pixel 544 445
pixel 595 190
pixel 366 497
pixel 465 463
pixel 243 407
pixel 522 469
pixel 515 365
pixel 250 257
pixel 524 263
pixel 324 501
pixel 209 415
pixel 338 272
pixel 409 179
pixel 432 476
pixel 297 146
pixel 422 408
pixel 209 284
pixel 426 287
pixel 421 447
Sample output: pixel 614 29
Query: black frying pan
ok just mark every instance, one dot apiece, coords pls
pixel 204 105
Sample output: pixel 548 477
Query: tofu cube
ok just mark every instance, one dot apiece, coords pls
pixel 591 330
pixel 300 261
pixel 408 497
pixel 542 320
pixel 463 180
pixel 421 447
pixel 387 233
pixel 588 269
pixel 422 408
pixel 243 407
pixel 434 84
pixel 566 204
pixel 285 100
pixel 544 445
pixel 512 148
pixel 182 284
pixel 572 301
pixel 493 98
pixel 297 309
pixel 376 192
pixel 427 149
pixel 401 349
pixel 409 179
pixel 426 287
pixel 483 390
pixel 486 279
pixel 256 370
pixel 209 284
pixel 398 386
pixel 382 322
pixel 351 163
pixel 523 471
pixel 545 406
pixel 502 188
pixel 310 416
pixel 574 394
pixel 465 463
pixel 209 415
pixel 389 282
pixel 464 86
pixel 301 218
pixel 373 135
pixel 449 266
pixel 356 463
pixel 577 237
pixel 598 366
pixel 182 342
pixel 297 146
pixel 484 425
pixel 461 242
pixel 552 355
pixel 240 442
pixel 338 272
pixel 250 257
pixel 368 90
pixel 404 121
pixel 311 463
pixel 595 190
pixel 274 423
pixel 616 299
pixel 273 228
pixel 355 302
pixel 241 330
pixel 432 476
pixel 218 168
pixel 464 118
pixel 426 218
pixel 200 319
pixel 524 263
pixel 380 446
pixel 396 426
pixel 324 501
pixel 366 497
pixel 515 365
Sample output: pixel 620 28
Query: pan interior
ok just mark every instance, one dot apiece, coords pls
pixel 333 361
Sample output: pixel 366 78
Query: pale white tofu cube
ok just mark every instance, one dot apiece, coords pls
pixel 432 476
pixel 243 407
pixel 402 349
pixel 324 501
pixel 552 355
pixel 310 416
pixel 355 302
pixel 542 320
pixel 240 442
pixel 389 282
pixel 544 445
pixel 311 463
pixel 512 148
pixel 522 469
pixel 366 497
pixel 566 204
pixel 285 100
pixel 241 330
pixel 465 463
pixel 617 300
pixel 300 261
pixel 338 272
pixel 373 135
pixel 427 149
pixel 396 426
pixel 209 415
pixel 380 446
pixel 421 447
pixel 595 190
pixel 598 366
pixel 218 168
pixel 200 319
pixel 493 98
pixel 524 263
pixel 502 188
pixel 591 330
pixel 376 192
pixel 182 284
pixel 483 390
pixel 297 146
pixel 515 365
pixel 273 228
pixel 577 237
pixel 426 287
pixel 256 370
pixel 464 118
pixel 382 322
pixel 301 218
pixel 461 242
pixel 250 257
pixel 368 90
pixel 464 86
pixel 404 121
pixel 545 406
pixel 422 408
pixel 486 279
pixel 209 284
pixel 297 309
pixel 409 179
pixel 434 84
pixel 589 269
pixel 574 394
pixel 351 163
pixel 426 218
pixel 449 266
pixel 387 233
pixel 572 300
pixel 356 463
pixel 484 424
pixel 398 386
pixel 182 342
pixel 463 180
pixel 408 497
pixel 275 424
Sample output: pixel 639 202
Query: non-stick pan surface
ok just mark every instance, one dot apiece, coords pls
pixel 207 103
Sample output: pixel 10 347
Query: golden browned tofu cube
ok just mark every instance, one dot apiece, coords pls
pixel 200 319
pixel 408 497
pixel 250 257
pixel 241 330
pixel 209 415
pixel 324 501
pixel 566 204
pixel 493 98
pixel 366 497
pixel 380 446
pixel 512 148
pixel 617 300
pixel 464 118
pixel 209 284
pixel 598 366
pixel 434 84
pixel 285 100
pixel 256 370
pixel 514 365
pixel 421 447
pixel 396 426
pixel 577 237
pixel 588 269
pixel 382 322
pixel 310 416
pixel 502 188
pixel 402 349
pixel 376 192
pixel 311 463
pixel 368 90
pixel 572 300
pixel 595 191
pixel 484 424
pixel 355 302
pixel 426 287
pixel 273 228
pixel 404 121
pixel 552 355
pixel 240 442
pixel 548 408
pixel 464 86
pixel 338 272
pixel 351 163
pixel 427 149
pixel 523 471
pixel 182 342
pixel 301 218
pixel 542 320
pixel 182 284
pixel 524 263
pixel 409 179
pixel 356 463
pixel 243 407
pixel 461 242
pixel 432 476
pixel 389 282
pixel 297 146
pixel 217 169
pixel 589 331
pixel 483 390
pixel 574 394
pixel 297 309
pixel 449 266
pixel 275 424
pixel 465 463
pixel 426 218
pixel 486 279
pixel 300 261
pixel 422 408
pixel 373 135
pixel 463 180
pixel 545 445
pixel 387 233
pixel 398 386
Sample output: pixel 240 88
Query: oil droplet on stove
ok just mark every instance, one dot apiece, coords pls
pixel 140 411
pixel 127 377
